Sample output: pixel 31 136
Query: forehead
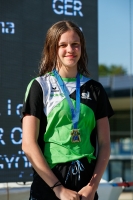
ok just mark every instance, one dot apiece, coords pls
pixel 69 36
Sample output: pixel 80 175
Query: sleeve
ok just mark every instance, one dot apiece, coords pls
pixel 104 108
pixel 33 100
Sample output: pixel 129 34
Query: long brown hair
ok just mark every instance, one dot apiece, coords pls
pixel 49 54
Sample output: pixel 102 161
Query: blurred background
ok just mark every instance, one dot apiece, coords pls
pixel 115 59
pixel 108 30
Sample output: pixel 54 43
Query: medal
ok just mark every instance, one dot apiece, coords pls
pixel 75 135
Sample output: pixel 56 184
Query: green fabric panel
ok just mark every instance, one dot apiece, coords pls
pixel 58 145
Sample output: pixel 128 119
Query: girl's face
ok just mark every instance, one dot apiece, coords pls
pixel 69 49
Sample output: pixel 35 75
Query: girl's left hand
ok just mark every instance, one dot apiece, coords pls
pixel 87 193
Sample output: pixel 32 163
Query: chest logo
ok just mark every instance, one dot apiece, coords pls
pixel 85 95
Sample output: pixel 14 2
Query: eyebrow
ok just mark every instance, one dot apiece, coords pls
pixel 72 42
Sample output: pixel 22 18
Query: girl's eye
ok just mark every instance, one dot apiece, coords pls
pixel 72 45
pixel 62 45
pixel 75 44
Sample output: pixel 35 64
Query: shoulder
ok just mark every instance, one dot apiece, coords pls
pixel 98 90
pixel 46 79
pixel 93 85
pixel 96 86
pixel 33 84
pixel 91 81
pixel 40 81
pixel 33 89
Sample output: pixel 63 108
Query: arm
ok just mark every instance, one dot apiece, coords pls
pixel 102 160
pixel 30 146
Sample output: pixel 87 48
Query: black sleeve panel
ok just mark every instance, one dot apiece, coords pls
pixel 104 108
pixel 33 105
pixel 33 102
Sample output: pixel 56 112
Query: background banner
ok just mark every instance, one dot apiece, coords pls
pixel 23 26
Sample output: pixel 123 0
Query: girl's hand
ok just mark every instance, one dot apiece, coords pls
pixel 87 193
pixel 66 194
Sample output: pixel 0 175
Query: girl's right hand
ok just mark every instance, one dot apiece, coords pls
pixel 65 194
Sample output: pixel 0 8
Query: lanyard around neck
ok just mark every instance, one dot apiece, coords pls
pixel 74 111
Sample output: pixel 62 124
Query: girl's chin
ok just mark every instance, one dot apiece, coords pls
pixel 70 66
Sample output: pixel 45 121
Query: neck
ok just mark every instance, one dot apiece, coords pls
pixel 65 72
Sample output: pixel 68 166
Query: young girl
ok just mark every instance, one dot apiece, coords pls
pixel 64 111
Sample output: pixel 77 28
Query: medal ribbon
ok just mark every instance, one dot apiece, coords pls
pixel 74 111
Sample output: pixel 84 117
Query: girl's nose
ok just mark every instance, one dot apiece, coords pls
pixel 70 48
